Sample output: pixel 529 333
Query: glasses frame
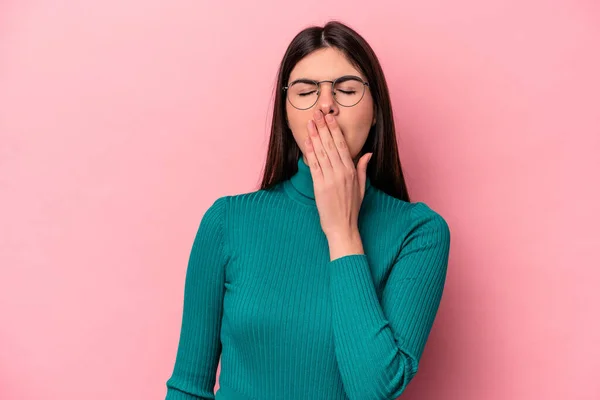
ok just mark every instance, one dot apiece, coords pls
pixel 318 83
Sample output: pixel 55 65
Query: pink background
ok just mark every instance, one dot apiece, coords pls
pixel 122 121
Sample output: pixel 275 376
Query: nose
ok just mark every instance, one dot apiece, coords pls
pixel 326 103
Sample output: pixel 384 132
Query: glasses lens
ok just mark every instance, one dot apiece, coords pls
pixel 348 92
pixel 303 95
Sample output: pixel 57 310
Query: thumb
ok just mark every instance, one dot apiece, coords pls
pixel 362 171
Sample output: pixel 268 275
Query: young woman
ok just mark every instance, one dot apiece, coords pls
pixel 325 283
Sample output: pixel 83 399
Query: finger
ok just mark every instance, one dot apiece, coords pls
pixel 320 152
pixel 327 143
pixel 311 157
pixel 361 168
pixel 339 141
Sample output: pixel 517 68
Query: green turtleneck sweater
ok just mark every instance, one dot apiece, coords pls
pixel 289 324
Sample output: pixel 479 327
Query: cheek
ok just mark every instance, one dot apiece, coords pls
pixel 296 117
pixel 298 124
pixel 357 129
pixel 356 133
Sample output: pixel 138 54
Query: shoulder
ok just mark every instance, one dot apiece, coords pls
pixel 218 208
pixel 422 211
pixel 403 219
pixel 236 206
pixel 428 224
pixel 222 203
pixel 394 209
pixel 240 204
pixel 212 221
pixel 411 214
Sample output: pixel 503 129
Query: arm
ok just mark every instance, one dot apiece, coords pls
pixel 378 345
pixel 194 373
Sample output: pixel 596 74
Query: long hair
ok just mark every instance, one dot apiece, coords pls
pixel 384 169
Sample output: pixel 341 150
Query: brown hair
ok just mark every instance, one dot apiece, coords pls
pixel 384 169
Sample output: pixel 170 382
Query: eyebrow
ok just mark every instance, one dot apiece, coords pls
pixel 340 79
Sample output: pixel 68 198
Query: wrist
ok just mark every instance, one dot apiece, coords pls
pixel 345 243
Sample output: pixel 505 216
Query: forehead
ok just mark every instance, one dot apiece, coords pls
pixel 327 63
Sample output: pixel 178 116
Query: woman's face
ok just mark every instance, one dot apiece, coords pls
pixel 355 122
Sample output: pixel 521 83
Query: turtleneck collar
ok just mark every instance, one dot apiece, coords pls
pixel 301 184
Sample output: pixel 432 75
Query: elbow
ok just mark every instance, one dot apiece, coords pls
pixel 385 383
pixel 179 390
pixel 399 387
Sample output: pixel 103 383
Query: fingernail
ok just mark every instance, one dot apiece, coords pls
pixel 329 118
pixel 318 115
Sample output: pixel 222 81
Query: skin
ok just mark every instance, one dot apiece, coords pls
pixel 330 147
pixel 355 122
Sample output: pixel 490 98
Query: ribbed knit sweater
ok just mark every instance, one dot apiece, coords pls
pixel 287 323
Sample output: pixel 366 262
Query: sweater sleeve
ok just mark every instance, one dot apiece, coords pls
pixel 378 343
pixel 199 350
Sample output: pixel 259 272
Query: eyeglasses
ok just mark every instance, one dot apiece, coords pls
pixel 348 91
